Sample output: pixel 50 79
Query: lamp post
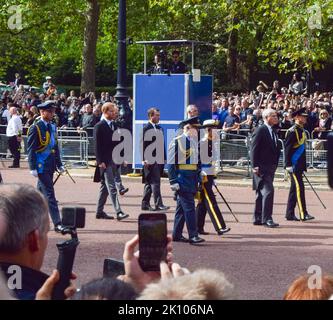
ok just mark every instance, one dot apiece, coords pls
pixel 121 95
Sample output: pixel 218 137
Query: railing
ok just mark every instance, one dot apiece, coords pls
pixel 73 146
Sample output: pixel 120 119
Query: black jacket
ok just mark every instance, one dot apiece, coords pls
pixel 103 142
pixel 294 140
pixel 146 142
pixel 32 280
pixel 264 153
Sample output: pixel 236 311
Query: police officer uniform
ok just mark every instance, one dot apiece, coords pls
pixel 184 175
pixel 44 159
pixel 207 200
pixel 295 164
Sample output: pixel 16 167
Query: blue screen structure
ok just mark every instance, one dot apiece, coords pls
pixel 161 91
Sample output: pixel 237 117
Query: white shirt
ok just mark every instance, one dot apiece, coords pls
pixel 14 126
pixel 153 124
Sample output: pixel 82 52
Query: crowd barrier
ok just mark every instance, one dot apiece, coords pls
pixel 73 146
pixel 77 147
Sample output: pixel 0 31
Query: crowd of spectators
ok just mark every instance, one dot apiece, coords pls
pixel 242 113
pixel 237 113
pixel 73 111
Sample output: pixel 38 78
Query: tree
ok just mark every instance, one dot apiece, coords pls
pixel 89 46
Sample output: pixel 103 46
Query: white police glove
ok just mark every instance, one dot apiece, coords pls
pixel 34 173
pixel 62 170
pixel 290 169
pixel 175 187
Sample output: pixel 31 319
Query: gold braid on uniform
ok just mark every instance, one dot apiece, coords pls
pixel 42 143
pixel 300 141
pixel 188 153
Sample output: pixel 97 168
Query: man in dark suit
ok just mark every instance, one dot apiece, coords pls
pixel 265 152
pixel 104 145
pixel 44 157
pixel 177 66
pixel 153 161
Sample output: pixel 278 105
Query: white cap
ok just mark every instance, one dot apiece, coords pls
pixel 48 78
pixel 210 123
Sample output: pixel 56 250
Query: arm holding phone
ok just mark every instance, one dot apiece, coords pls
pixel 134 274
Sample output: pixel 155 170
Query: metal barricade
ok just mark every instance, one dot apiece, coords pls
pixel 316 155
pixel 73 146
pixel 235 153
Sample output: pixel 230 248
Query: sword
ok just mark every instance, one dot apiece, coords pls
pixel 66 170
pixel 313 189
pixel 59 174
pixel 225 201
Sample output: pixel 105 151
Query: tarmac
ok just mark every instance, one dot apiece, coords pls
pixel 260 262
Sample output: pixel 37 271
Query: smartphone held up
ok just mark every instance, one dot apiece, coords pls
pixel 152 240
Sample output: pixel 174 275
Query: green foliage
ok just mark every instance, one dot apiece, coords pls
pixel 270 33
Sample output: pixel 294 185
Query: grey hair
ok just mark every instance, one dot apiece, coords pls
pixel 267 112
pixel 190 107
pixel 23 209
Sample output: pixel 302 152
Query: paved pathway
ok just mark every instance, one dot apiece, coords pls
pixel 261 262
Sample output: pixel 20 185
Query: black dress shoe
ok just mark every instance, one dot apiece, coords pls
pixel 123 191
pixel 196 240
pixel 223 230
pixel 257 223
pixel 13 166
pixel 203 232
pixel 162 208
pixel 103 215
pixel 271 224
pixel 292 218
pixel 149 208
pixel 308 217
pixel 181 239
pixel 122 216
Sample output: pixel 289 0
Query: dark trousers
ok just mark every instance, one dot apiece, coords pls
pixel 263 209
pixel 152 186
pixel 14 147
pixel 185 212
pixel 108 188
pixel 296 194
pixel 45 186
pixel 1 178
pixel 208 203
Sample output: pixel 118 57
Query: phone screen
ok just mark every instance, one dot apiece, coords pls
pixel 113 268
pixel 152 240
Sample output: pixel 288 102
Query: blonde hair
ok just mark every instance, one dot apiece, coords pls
pixel 203 284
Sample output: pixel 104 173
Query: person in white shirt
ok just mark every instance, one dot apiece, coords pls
pixel 13 132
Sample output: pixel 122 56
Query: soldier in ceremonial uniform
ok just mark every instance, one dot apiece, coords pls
pixel 44 157
pixel 295 164
pixel 210 151
pixel 184 175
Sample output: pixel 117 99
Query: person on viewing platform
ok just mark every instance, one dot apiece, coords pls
pixel 177 66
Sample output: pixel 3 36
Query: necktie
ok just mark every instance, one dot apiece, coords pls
pixel 49 127
pixel 111 126
pixel 274 137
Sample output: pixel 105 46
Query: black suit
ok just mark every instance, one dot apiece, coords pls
pixel 265 154
pixel 152 172
pixel 104 146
